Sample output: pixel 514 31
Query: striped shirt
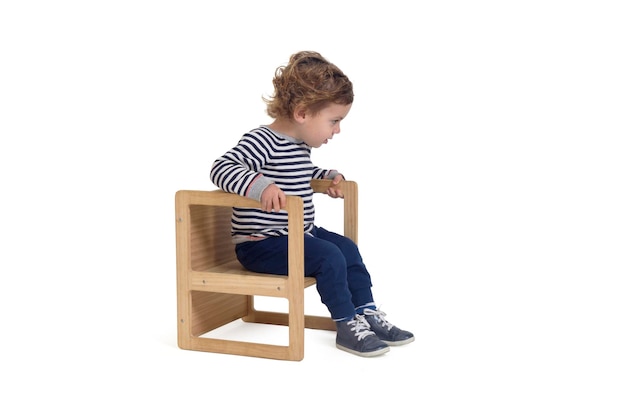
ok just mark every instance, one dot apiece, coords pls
pixel 263 157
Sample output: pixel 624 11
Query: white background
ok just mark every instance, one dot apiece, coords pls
pixel 488 141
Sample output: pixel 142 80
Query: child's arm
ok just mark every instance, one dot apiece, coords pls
pixel 333 175
pixel 237 171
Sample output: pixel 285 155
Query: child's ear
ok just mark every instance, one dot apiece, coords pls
pixel 299 114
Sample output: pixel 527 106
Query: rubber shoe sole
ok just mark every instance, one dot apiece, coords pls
pixel 399 342
pixel 369 354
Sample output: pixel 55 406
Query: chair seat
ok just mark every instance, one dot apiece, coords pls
pixel 232 278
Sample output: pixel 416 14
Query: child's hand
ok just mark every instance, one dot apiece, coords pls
pixel 334 190
pixel 273 199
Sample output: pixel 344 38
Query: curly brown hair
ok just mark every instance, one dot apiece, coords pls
pixel 309 81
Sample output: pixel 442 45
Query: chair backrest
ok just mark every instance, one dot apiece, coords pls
pixel 210 236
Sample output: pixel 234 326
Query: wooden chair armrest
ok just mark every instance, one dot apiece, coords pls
pixel 350 205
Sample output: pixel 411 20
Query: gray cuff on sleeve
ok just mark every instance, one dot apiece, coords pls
pixel 258 186
pixel 332 174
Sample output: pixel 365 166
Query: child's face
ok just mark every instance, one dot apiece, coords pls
pixel 319 129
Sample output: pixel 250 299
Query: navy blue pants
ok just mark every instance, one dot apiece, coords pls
pixel 343 282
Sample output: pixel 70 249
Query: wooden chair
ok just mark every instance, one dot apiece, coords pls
pixel 213 289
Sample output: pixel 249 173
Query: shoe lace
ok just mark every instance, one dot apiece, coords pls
pixel 361 327
pixel 379 316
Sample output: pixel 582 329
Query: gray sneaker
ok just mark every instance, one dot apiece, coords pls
pixel 354 336
pixel 386 331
